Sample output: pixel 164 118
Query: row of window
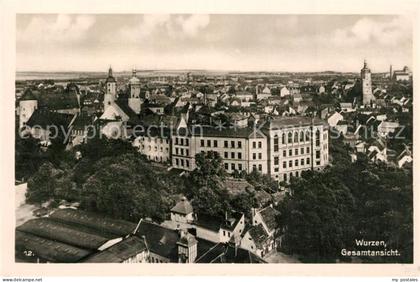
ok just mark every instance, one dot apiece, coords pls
pixel 215 144
pixel 254 144
pixel 181 141
pixel 239 167
pixel 182 151
pixel 254 156
pixel 155 148
pixel 302 136
pixel 232 155
pixel 155 260
pixel 296 151
pixel 224 233
pixel 233 166
pixel 182 163
pixel 159 140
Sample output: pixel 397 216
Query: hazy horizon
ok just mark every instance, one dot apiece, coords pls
pixel 215 42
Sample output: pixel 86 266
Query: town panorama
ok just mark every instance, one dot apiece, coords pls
pixel 196 166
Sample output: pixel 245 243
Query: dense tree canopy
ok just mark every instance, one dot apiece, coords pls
pixel 317 215
pixel 326 211
pixel 125 187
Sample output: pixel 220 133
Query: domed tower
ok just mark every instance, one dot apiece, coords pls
pixel 134 102
pixel 367 95
pixel 111 90
pixel 27 106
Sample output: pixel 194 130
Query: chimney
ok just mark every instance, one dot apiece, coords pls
pixel 390 72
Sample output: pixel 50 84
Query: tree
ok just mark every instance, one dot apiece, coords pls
pixel 42 184
pixel 209 170
pixel 125 187
pixel 262 181
pixel 316 216
pixel 206 185
pixel 28 157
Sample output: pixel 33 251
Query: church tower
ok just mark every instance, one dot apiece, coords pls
pixel 111 90
pixel 134 102
pixel 367 96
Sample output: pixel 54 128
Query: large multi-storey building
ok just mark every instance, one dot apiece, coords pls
pixel 295 144
pixel 281 147
pixel 241 149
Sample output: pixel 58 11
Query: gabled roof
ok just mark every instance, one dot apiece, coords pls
pixel 269 215
pixel 227 253
pixel 133 118
pixel 183 207
pixel 215 223
pixel 28 95
pixel 258 235
pixel 82 121
pixel 45 118
pixel 160 240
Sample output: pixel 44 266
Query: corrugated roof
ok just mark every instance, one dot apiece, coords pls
pixel 94 221
pixel 58 231
pixel 46 249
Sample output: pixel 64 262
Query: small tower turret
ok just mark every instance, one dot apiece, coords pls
pixel 134 102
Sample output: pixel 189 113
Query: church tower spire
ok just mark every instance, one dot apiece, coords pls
pixel 111 89
pixel 367 95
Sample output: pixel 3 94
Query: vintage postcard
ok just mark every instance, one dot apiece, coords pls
pixel 209 138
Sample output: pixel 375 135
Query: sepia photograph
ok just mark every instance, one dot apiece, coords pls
pixel 192 138
pixel 207 137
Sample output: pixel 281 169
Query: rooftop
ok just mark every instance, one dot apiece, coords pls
pixel 119 252
pixel 183 207
pixel 77 236
pixel 269 215
pixel 94 221
pixel 160 240
pixel 284 122
pixel 215 223
pixel 47 249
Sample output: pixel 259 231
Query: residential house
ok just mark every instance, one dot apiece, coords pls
pixel 218 230
pixel 182 212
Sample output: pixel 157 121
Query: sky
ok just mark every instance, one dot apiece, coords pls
pixel 89 42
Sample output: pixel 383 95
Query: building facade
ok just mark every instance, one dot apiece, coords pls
pixel 282 147
pixel 295 144
pixel 240 149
